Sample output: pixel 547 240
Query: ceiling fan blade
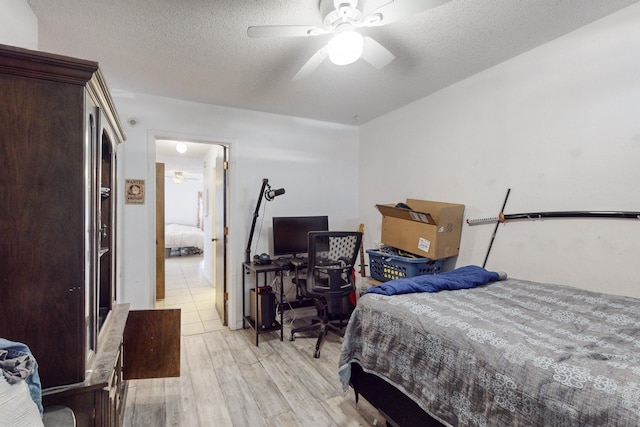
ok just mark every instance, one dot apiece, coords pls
pixel 376 54
pixel 284 31
pixel 313 63
pixel 395 10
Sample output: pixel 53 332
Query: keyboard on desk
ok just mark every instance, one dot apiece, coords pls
pixel 299 262
pixel 282 262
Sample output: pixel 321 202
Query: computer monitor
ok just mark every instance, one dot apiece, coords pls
pixel 290 233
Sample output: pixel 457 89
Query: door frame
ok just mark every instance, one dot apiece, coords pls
pixel 160 250
pixel 221 229
pixel 225 143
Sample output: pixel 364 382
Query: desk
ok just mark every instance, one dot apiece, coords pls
pixel 264 269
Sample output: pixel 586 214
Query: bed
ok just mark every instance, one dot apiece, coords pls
pixel 506 353
pixel 184 239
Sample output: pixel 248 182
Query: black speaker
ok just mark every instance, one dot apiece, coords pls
pixel 266 305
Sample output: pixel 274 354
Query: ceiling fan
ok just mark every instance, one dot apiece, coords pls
pixel 342 18
pixel 179 177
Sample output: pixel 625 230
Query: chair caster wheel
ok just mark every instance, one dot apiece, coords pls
pixel 316 354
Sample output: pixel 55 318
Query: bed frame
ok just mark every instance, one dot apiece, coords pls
pixel 397 408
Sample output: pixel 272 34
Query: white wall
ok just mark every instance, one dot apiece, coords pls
pixel 312 160
pixel 559 125
pixel 181 201
pixel 18 24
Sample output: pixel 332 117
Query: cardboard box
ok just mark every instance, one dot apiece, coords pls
pixel 429 229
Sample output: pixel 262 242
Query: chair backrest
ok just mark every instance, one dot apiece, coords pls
pixel 332 255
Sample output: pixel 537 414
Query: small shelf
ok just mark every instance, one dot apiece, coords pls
pixel 257 270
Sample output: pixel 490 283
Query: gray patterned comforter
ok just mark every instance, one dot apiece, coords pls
pixel 511 353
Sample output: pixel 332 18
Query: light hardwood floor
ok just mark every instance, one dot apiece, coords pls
pixel 227 381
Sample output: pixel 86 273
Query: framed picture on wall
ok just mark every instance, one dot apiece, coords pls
pixel 134 191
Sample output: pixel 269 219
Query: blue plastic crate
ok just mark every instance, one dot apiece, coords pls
pixel 385 266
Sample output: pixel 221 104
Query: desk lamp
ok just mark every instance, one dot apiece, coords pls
pixel 269 194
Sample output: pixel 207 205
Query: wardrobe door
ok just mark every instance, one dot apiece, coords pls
pixel 42 256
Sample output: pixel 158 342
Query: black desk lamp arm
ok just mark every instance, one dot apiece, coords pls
pixel 265 184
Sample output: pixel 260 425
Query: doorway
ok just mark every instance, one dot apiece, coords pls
pixel 195 196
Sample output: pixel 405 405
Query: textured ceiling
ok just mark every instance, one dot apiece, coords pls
pixel 198 50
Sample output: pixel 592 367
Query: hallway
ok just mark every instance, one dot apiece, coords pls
pixel 187 288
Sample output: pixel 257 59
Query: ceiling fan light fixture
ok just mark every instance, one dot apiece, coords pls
pixel 345 48
pixel 178 177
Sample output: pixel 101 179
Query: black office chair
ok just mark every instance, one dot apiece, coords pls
pixel 329 279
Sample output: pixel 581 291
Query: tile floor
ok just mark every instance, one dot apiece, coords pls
pixel 187 288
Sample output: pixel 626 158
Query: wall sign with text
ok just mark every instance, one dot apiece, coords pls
pixel 134 191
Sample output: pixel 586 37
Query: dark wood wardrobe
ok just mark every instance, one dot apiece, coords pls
pixel 59 137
